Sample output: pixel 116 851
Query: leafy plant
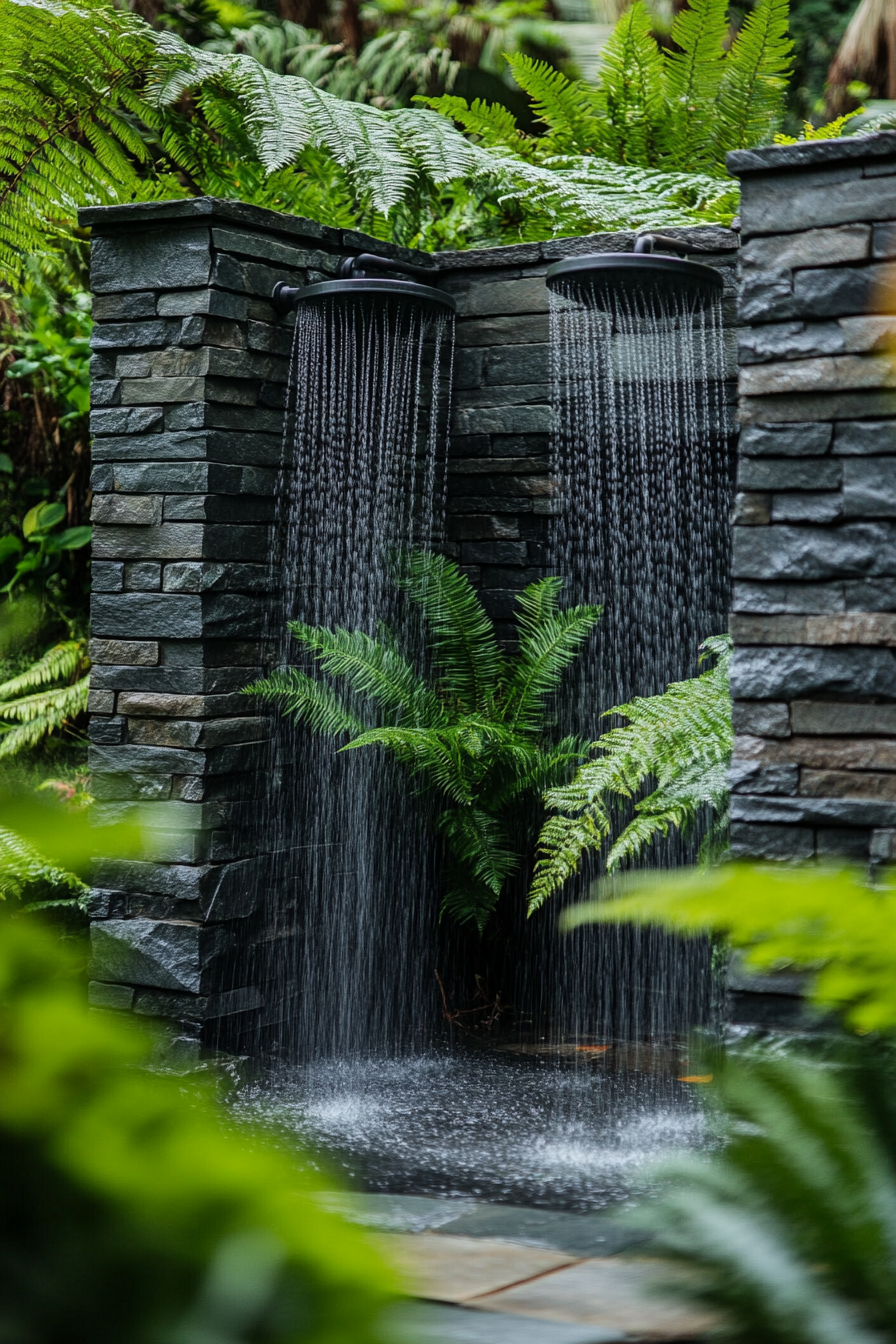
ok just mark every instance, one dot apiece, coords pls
pixel 474 733
pixel 128 1211
pixel 46 698
pixel 42 544
pixel 789 1232
pixel 679 109
pixel 682 742
pixel 97 106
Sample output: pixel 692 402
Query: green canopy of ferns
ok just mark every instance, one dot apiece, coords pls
pixel 45 698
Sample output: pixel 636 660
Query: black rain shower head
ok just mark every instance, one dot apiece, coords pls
pixel 643 269
pixel 285 297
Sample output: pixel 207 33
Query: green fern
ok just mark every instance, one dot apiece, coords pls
pixel 694 69
pixel 23 870
pixel 753 87
pixel 473 732
pixel 682 740
pixel 631 93
pixel 32 708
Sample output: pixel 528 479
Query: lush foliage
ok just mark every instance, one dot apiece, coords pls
pixel 790 1230
pixel 97 106
pixel 829 921
pixel 682 742
pixel 475 734
pixel 45 698
pixel 127 1211
pixel 679 109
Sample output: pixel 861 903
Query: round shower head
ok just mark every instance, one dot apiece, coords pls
pixel 285 298
pixel 644 272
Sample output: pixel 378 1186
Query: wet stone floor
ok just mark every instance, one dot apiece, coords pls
pixel 496 1181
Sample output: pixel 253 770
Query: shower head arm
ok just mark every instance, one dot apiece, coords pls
pixel 368 261
pixel 649 242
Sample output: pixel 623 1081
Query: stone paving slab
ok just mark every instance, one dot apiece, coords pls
pixel 615 1294
pixel 431 1323
pixel 579 1234
pixel 456 1269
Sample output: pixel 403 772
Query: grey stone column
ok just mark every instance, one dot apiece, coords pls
pixel 814 601
pixel 188 380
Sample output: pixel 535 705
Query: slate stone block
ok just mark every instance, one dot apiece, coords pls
pixel 106 732
pixel 216 331
pixel 152 952
pixel 766 296
pixel 758 778
pixel 132 787
pixel 848 784
pixel 811 247
pixel 168 541
pixel 120 997
pixel 812 811
pixel 826 718
pixel 143 576
pixel 830 293
pixel 771 843
pixel 850 551
pixel 510 330
pixel 194 735
pixel 517 364
pixel 832 373
pixel 761 718
pixel 134 335
pixel 790 673
pixel 794 440
pixel 751 509
pixel 106 577
pixel 870 595
pixel 826 197
pixel 786 407
pixel 789 340
pixel 100 702
pixel 869 487
pixel 494 552
pixel 787 473
pixel 105 392
pixel 147 616
pixel 784 597
pixel 200 576
pixel 127 510
pixel 146 391
pixel 503 420
pixel 134 366
pixel 170 259
pixel 529 294
pixel 137 653
pixel 126 420
pixel 800 507
pixel 193 302
pixel 858 438
pixel 123 307
pixel 205 415
pixel 884 241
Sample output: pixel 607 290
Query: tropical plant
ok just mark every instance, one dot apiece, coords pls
pixel 680 109
pixel 827 921
pixel 129 1211
pixel 45 698
pixel 681 741
pixel 42 546
pixel 97 106
pixel 475 733
pixel 790 1232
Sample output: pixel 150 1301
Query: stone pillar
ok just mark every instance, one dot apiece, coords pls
pixel 814 601
pixel 188 380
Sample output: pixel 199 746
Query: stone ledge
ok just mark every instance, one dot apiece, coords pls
pixel 830 718
pixel 811 154
pixel 847 812
pixel 818 753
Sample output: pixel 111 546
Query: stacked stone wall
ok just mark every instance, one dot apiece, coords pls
pixel 814 598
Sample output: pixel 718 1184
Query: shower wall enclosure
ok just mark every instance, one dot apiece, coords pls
pixel 189 376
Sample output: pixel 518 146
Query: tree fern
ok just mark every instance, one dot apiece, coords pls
pixel 473 730
pixel 32 708
pixel 682 740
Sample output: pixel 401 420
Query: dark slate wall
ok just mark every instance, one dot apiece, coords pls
pixel 188 380
pixel 815 538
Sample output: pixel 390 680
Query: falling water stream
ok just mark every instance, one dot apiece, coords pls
pixel 641 460
pixel 643 464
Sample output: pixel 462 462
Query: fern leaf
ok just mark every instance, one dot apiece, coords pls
pixel 314 703
pixel 23 867
pixel 493 124
pixel 567 107
pixel 462 637
pixel 549 640
pixel 754 85
pixel 434 755
pixel 694 69
pixel 372 668
pixel 57 664
pixel 632 92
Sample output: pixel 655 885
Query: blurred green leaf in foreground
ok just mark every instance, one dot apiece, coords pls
pixel 128 1212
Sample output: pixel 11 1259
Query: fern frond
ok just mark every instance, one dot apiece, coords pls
pixel 682 739
pixel 493 124
pixel 754 84
pixel 694 69
pixel 22 867
pixel 549 640
pixel 314 703
pixel 434 755
pixel 374 669
pixel 462 636
pixel 567 107
pixel 481 855
pixel 631 95
pixel 36 716
pixel 60 662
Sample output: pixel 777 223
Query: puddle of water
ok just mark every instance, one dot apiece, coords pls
pixel 556 1132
